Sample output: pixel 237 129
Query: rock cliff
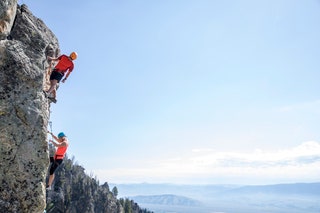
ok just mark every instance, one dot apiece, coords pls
pixel 25 43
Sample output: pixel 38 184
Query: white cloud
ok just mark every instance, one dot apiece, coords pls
pixel 297 164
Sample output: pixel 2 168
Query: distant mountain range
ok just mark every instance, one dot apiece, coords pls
pixel 167 199
pixel 278 198
pixel 201 191
pixel 311 189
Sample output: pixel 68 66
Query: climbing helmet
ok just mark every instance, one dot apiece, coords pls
pixel 73 55
pixel 61 134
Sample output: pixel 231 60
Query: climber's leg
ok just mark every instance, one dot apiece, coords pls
pixel 52 86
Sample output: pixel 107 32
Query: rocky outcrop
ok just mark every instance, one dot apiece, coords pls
pixel 25 43
pixel 74 191
pixel 7 15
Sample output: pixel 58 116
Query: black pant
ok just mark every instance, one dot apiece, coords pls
pixel 55 163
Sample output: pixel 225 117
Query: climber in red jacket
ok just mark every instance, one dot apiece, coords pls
pixel 64 65
pixel 62 146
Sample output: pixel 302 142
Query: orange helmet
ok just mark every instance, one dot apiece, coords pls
pixel 73 55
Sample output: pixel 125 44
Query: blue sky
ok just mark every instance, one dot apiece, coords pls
pixel 186 91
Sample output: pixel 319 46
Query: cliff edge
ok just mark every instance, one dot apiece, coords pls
pixel 25 43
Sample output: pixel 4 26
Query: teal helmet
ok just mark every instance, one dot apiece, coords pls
pixel 61 134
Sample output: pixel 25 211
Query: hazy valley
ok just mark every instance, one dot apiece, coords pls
pixel 170 198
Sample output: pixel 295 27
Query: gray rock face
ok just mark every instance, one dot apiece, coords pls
pixel 25 43
pixel 7 15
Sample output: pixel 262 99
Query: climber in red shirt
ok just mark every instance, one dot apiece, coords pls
pixel 64 65
pixel 62 146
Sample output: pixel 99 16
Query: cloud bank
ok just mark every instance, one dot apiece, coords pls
pixel 207 166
